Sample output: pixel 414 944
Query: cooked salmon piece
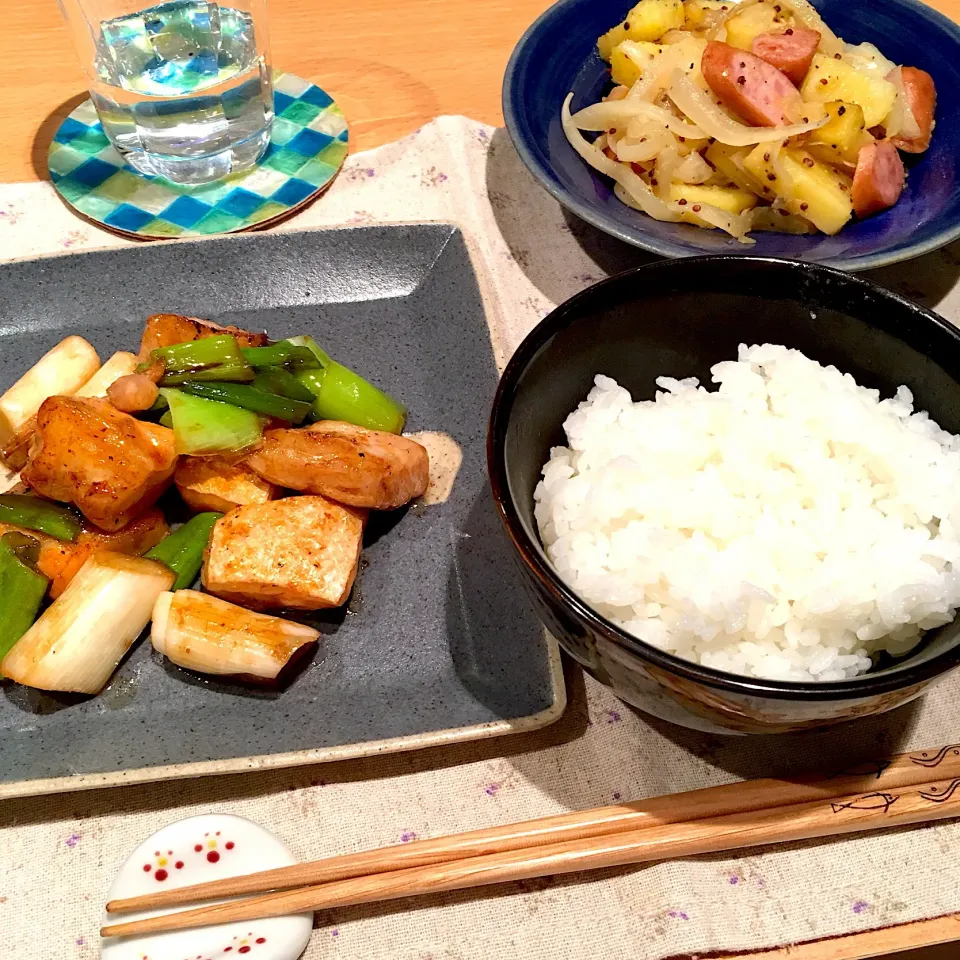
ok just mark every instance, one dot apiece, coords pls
pixel 111 466
pixel 300 552
pixel 166 329
pixel 217 483
pixel 60 561
pixel 353 465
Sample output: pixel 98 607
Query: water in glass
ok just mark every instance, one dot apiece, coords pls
pixel 183 88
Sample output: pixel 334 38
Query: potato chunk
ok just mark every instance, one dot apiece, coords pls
pixel 731 199
pixel 839 140
pixel 216 483
pixel 629 59
pixel 107 463
pixel 301 552
pixel 648 20
pixel 830 80
pixel 809 189
pixel 697 13
pixel 727 161
pixel 745 27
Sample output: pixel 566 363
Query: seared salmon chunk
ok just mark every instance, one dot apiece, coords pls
pixel 353 465
pixel 110 465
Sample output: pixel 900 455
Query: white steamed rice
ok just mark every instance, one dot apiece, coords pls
pixel 790 525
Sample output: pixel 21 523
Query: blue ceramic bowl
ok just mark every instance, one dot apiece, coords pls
pixel 558 54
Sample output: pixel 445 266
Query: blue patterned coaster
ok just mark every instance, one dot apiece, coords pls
pixel 307 146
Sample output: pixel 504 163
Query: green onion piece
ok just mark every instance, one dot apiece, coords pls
pixel 35 514
pixel 182 550
pixel 166 420
pixel 312 380
pixel 250 398
pixel 21 588
pixel 344 395
pixel 283 383
pixel 212 358
pixel 280 354
pixel 202 427
pixel 313 347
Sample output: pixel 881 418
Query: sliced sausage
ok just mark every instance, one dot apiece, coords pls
pixel 751 87
pixel 922 100
pixel 790 52
pixel 878 181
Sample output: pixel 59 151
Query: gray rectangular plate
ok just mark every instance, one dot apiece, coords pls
pixel 442 646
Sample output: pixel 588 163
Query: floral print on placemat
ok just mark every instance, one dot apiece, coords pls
pixel 530 256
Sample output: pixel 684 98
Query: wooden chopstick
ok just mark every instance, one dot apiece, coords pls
pixel 876 810
pixel 895 772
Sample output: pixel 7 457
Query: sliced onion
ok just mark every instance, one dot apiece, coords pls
pixel 704 112
pixel 633 201
pixel 613 113
pixel 772 220
pixel 667 162
pixel 693 169
pixel 736 224
pixel 589 151
pixel 642 149
pixel 635 187
pixel 865 58
pixel 900 122
pixel 785 184
pixel 684 56
pixel 720 25
pixel 645 198
pixel 637 55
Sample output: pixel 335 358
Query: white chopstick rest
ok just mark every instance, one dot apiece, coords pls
pixel 208 847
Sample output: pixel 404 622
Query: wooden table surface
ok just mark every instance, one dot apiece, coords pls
pixel 392 65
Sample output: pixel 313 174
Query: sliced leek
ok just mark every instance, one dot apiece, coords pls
pixel 121 364
pixel 78 641
pixel 209 635
pixel 8 478
pixel 61 371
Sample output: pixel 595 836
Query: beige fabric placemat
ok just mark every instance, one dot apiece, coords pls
pixel 59 853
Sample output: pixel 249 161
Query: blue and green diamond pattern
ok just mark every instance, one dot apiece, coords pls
pixel 308 143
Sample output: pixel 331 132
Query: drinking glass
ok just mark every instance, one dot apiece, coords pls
pixel 182 88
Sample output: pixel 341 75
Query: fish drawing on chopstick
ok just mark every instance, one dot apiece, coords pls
pixel 942 796
pixel 924 759
pixel 869 801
